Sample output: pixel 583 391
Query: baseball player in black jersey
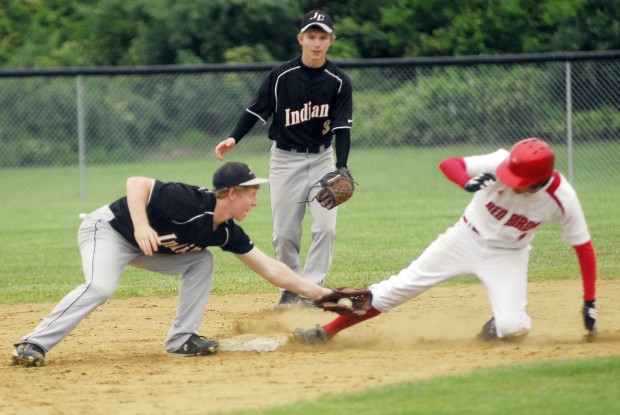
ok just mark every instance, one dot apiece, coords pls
pixel 310 100
pixel 166 228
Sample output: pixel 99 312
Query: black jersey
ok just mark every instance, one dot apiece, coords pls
pixel 182 216
pixel 307 104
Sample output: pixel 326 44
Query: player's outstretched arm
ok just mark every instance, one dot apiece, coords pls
pixel 280 275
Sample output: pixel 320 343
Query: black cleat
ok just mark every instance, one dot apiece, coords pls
pixel 28 354
pixel 315 335
pixel 489 331
pixel 196 346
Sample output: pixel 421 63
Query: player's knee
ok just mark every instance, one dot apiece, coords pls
pixel 199 264
pixel 282 239
pixel 324 232
pixel 100 293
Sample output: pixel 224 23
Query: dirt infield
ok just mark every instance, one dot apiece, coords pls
pixel 114 361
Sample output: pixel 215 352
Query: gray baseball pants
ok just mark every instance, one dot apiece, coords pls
pixel 105 254
pixel 293 178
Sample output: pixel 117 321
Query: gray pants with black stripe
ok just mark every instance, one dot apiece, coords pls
pixel 293 178
pixel 105 254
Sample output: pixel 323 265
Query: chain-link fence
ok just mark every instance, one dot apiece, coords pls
pixel 87 122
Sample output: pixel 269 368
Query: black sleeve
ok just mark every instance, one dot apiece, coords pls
pixel 238 241
pixel 263 105
pixel 343 145
pixel 244 125
pixel 341 113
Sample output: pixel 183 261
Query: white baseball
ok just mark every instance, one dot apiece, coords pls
pixel 345 302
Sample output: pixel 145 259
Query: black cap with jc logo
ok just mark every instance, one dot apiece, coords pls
pixel 317 18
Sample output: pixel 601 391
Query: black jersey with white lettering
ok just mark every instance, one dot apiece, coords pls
pixel 307 104
pixel 182 216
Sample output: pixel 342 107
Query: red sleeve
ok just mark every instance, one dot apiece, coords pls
pixel 455 170
pixel 587 263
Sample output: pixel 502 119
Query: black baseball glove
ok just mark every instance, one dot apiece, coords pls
pixel 589 315
pixel 480 181
pixel 336 188
pixel 346 301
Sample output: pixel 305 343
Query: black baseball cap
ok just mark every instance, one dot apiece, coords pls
pixel 317 18
pixel 235 174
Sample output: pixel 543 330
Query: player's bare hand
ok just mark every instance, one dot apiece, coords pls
pixel 147 239
pixel 224 147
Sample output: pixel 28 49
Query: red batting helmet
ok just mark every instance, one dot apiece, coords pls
pixel 530 162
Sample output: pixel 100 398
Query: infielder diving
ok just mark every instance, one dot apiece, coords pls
pixel 166 228
pixel 492 240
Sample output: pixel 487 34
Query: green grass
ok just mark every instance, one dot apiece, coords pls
pixel 401 204
pixel 553 388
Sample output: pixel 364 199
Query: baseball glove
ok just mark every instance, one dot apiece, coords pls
pixel 346 301
pixel 336 188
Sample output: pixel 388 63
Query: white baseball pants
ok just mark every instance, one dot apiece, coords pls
pixel 461 251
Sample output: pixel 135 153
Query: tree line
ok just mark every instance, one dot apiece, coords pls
pixel 70 33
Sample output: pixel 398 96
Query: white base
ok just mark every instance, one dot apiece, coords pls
pixel 253 343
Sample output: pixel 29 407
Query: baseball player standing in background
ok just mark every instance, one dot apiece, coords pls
pixel 310 99
pixel 166 228
pixel 492 240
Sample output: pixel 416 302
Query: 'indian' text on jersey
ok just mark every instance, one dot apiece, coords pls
pixel 308 112
pixel 307 104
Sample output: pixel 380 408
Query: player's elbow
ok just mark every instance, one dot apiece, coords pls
pixel 452 164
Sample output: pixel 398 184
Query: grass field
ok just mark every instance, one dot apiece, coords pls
pixel 401 204
pixel 556 388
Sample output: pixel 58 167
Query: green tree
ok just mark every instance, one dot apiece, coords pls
pixel 13 22
pixel 50 34
pixel 581 25
pixel 187 31
pixel 56 33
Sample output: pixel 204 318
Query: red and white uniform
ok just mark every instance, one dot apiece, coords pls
pixel 492 241
pixel 508 220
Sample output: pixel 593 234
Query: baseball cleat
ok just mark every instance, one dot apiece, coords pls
pixel 315 335
pixel 290 299
pixel 287 299
pixel 489 331
pixel 28 354
pixel 196 346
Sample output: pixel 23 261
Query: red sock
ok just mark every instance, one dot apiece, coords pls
pixel 342 322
